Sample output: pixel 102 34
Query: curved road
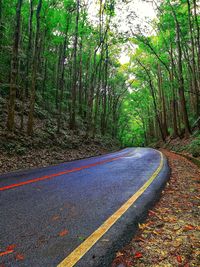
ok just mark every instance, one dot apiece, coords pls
pixel 77 213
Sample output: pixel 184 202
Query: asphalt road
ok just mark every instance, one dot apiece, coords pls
pixel 46 213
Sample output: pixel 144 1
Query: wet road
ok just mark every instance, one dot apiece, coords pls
pixel 46 213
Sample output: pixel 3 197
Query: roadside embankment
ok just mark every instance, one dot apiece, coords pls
pixel 170 235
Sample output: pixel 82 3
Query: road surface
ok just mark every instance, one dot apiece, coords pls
pixel 77 213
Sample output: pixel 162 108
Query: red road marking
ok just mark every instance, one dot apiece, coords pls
pixel 59 173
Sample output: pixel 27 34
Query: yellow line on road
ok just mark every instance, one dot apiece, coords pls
pixel 83 248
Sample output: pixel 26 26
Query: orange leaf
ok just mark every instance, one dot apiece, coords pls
pixel 55 218
pixel 179 259
pixel 151 213
pixel 19 257
pixel 11 247
pixel 138 255
pixel 6 252
pixel 119 254
pixel 189 227
pixel 63 233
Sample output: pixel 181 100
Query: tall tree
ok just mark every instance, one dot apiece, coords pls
pixel 74 84
pixel 1 22
pixel 180 74
pixel 14 68
pixel 34 70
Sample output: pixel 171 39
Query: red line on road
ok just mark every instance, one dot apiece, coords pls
pixel 59 173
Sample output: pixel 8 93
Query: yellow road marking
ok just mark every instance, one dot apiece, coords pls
pixel 83 248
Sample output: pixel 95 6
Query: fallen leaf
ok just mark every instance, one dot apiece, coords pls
pixel 119 254
pixel 179 259
pixel 144 225
pixel 188 227
pixel 152 213
pixel 63 233
pixel 139 239
pixel 156 232
pixel 11 247
pixel 138 255
pixel 19 257
pixel 55 218
pixel 6 252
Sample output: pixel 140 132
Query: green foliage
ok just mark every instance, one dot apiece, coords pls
pixel 194 147
pixel 156 83
pixel 124 101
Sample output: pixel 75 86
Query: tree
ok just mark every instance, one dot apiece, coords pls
pixel 14 69
pixel 34 70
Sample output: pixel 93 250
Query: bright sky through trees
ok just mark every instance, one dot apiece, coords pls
pixel 143 10
pixel 131 14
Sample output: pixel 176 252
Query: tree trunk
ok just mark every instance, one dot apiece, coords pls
pixel 74 86
pixel 181 82
pixel 91 95
pixel 171 78
pixel 44 82
pixel 86 85
pixel 198 40
pixel 180 75
pixel 152 91
pixel 25 91
pixel 97 100
pixel 58 67
pixel 164 113
pixel 29 48
pixel 14 69
pixel 194 71
pixel 61 82
pixel 80 81
pixel 1 23
pixel 104 100
pixel 34 71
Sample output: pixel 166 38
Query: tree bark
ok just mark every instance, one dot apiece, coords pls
pixel 194 71
pixel 80 85
pixel 1 23
pixel 104 100
pixel 180 74
pixel 34 71
pixel 152 91
pixel 164 113
pixel 198 40
pixel 74 86
pixel 29 48
pixel 14 69
pixel 61 81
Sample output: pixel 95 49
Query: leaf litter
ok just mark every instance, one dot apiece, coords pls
pixel 171 234
pixel 63 233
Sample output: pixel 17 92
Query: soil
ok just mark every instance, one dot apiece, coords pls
pixel 47 146
pixel 36 152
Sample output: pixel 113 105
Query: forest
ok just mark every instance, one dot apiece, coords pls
pixel 60 62
pixel 99 132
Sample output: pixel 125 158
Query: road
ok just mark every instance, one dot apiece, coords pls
pixel 77 213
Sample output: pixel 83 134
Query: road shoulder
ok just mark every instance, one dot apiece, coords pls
pixel 169 237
